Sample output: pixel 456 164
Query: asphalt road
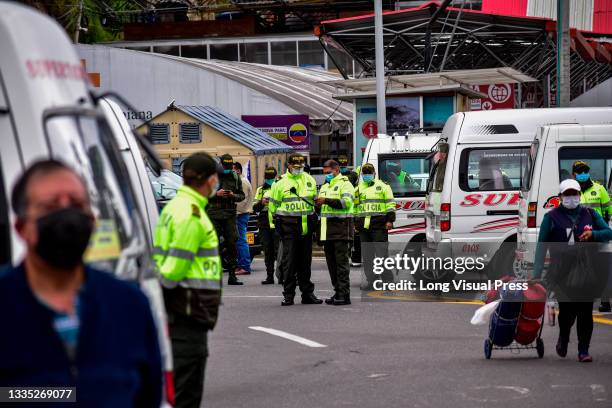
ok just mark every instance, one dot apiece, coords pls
pixel 392 353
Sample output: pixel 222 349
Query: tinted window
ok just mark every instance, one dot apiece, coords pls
pixel 493 169
pixel 406 174
pixel 598 158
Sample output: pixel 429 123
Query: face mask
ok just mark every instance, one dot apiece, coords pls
pixel 367 178
pixel 343 170
pixel 582 177
pixel 269 181
pixel 297 172
pixel 63 236
pixel 329 177
pixel 227 171
pixel 571 202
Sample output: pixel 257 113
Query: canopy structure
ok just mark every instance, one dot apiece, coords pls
pixel 434 38
pixel 458 81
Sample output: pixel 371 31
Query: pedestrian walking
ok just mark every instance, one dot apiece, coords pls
pixel 595 196
pixel 374 217
pixel 187 256
pixel 222 212
pixel 570 224
pixel 66 324
pixel 336 229
pixel 243 209
pixel 267 232
pixel 292 208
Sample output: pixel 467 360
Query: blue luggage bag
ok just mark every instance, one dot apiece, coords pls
pixel 505 318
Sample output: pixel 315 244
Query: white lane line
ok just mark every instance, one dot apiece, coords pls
pixel 288 336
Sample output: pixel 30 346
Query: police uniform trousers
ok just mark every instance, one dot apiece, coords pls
pixel 270 241
pixel 296 264
pixel 226 228
pixel 189 353
pixel 374 244
pixel 337 254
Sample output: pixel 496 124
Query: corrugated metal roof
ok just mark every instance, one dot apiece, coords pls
pixel 253 138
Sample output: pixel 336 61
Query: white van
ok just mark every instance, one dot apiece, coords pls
pixel 46 111
pixel 474 191
pixel 408 157
pixel 552 153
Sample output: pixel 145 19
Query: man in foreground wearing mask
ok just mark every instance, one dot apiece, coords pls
pixel 66 324
pixel 337 228
pixel 596 196
pixel 292 208
pixel 374 217
pixel 567 225
pixel 267 231
pixel 222 212
pixel 187 255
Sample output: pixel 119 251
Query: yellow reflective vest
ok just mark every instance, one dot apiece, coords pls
pixel 293 196
pixel 339 213
pixel 597 198
pixel 373 199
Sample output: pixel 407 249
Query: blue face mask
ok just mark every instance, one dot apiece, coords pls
pixel 329 177
pixel 227 171
pixel 343 170
pixel 582 177
pixel 269 181
pixel 367 178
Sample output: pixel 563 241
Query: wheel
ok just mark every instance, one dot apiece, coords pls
pixel 540 347
pixel 488 349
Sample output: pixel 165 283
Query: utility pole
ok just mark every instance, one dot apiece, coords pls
pixel 77 30
pixel 563 53
pixel 381 109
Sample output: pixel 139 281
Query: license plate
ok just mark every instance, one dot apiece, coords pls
pixel 250 238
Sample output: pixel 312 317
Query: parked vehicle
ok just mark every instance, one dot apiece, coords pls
pixel 551 155
pixel 477 176
pixel 47 111
pixel 404 162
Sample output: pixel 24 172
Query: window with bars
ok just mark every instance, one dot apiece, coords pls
pixel 159 133
pixel 190 133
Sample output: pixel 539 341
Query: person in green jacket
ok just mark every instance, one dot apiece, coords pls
pixel 186 251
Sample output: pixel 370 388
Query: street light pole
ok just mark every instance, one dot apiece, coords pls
pixel 381 114
pixel 563 53
pixel 77 30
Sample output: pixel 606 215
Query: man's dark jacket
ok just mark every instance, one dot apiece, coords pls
pixel 117 362
pixel 223 207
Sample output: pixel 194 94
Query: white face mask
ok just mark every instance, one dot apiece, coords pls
pixel 571 202
pixel 296 172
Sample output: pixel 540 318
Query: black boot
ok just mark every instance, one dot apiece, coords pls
pixel 311 299
pixel 330 300
pixel 268 281
pixel 342 300
pixel 232 279
pixel 287 300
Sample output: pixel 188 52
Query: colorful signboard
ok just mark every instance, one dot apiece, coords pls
pixel 292 130
pixel 500 96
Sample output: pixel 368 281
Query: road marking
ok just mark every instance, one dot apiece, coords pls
pixel 599 392
pixel 288 336
pixel 599 318
pixel 377 375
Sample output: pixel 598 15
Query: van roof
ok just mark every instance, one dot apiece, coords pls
pixel 520 125
pixel 580 133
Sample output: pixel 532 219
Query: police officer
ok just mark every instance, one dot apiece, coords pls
pixel 187 256
pixel 336 202
pixel 291 205
pixel 596 196
pixel 374 217
pixel 222 212
pixel 267 231
pixel 345 171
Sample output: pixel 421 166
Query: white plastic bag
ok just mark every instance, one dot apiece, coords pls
pixel 483 313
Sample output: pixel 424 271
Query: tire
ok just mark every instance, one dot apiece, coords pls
pixel 427 275
pixel 488 349
pixel 540 347
pixel 503 263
